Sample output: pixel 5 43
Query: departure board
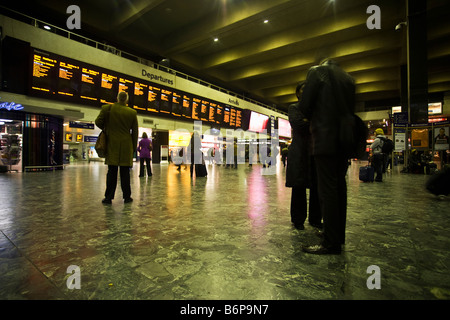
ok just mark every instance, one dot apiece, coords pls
pixel 44 72
pixel 125 85
pixel 226 116
pixel 187 107
pixel 90 81
pixel 212 112
pixel 196 105
pixel 68 79
pixel 154 97
pixel 108 88
pixel 61 78
pixel 177 107
pixel 166 101
pixel 204 110
pixel 218 117
pixel 140 96
pixel 232 117
pixel 238 122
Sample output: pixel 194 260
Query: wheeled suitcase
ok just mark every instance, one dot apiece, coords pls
pixel 366 174
pixel 200 170
pixel 439 183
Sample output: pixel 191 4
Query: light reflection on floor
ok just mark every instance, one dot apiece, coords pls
pixel 226 236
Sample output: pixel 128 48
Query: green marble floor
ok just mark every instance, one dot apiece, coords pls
pixel 224 237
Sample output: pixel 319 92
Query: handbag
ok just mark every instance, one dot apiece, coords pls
pixel 101 145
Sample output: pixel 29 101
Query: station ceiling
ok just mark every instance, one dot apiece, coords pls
pixel 261 49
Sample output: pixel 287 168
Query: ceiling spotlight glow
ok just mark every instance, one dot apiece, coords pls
pixel 216 39
pixel 47 27
pixel 266 21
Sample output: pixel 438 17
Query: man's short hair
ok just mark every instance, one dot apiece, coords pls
pixel 122 97
pixel 300 85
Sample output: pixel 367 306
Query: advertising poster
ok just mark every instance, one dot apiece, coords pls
pixel 419 138
pixel 441 140
pixel 400 140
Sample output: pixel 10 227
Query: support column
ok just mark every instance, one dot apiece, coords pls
pixel 417 61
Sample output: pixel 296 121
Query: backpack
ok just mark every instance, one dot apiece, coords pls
pixel 388 145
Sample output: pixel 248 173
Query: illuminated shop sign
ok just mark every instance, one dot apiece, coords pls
pixel 10 106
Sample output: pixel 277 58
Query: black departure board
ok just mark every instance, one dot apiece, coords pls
pixel 226 116
pixel 166 101
pixel 177 106
pixel 218 116
pixel 126 85
pixel 187 106
pixel 140 96
pixel 204 110
pixel 238 122
pixel 232 117
pixel 57 77
pixel 90 81
pixel 68 75
pixel 108 88
pixel 154 98
pixel 196 105
pixel 45 68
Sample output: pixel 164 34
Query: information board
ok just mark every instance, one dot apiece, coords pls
pixel 140 96
pixel 62 78
pixel 68 79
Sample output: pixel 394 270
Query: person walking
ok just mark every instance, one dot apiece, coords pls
pixel 121 126
pixel 328 93
pixel 378 157
pixel 144 149
pixel 300 170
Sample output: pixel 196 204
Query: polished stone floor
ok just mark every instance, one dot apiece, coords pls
pixel 224 237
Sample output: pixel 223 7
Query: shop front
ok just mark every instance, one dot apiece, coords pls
pixel 30 142
pixel 31 137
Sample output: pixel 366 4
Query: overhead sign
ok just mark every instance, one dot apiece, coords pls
pixel 10 106
pixel 81 125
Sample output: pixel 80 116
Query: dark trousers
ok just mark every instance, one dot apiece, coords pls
pixel 299 206
pixel 147 164
pixel 332 189
pixel 378 163
pixel 111 182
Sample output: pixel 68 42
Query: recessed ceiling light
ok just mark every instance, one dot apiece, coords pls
pixel 47 28
pixel 216 39
pixel 266 21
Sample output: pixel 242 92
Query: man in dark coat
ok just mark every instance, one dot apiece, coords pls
pixel 122 133
pixel 329 92
pixel 300 171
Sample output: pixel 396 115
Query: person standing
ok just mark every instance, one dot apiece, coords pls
pixel 300 170
pixel 328 93
pixel 121 126
pixel 144 149
pixel 197 161
pixel 378 157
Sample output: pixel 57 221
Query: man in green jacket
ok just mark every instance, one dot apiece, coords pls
pixel 121 127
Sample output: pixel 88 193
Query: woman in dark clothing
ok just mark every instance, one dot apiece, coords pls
pixel 144 148
pixel 197 161
pixel 300 170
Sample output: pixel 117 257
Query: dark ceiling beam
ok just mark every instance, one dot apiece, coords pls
pixel 132 11
pixel 234 16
